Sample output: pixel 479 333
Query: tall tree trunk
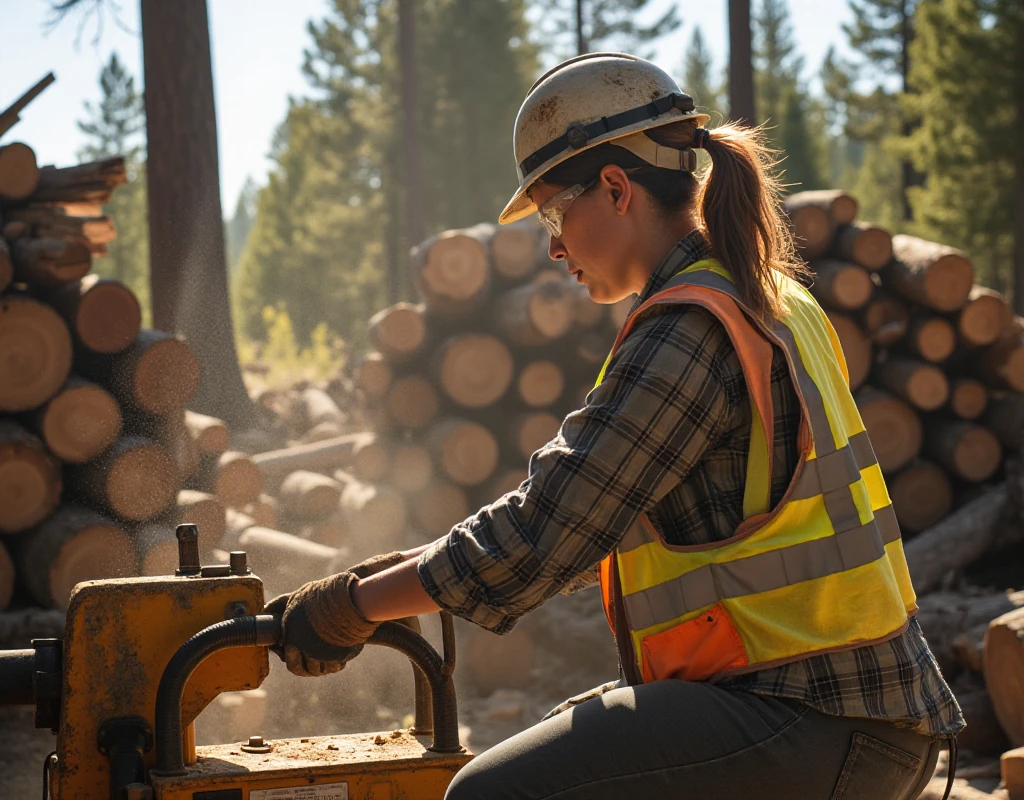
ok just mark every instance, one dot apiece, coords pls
pixel 188 274
pixel 581 39
pixel 1018 187
pixel 910 176
pixel 412 171
pixel 741 69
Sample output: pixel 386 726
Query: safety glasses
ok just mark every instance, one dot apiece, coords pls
pixel 553 211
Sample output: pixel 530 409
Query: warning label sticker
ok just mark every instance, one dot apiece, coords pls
pixel 325 791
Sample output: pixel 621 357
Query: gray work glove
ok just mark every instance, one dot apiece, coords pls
pixel 321 629
pixel 582 698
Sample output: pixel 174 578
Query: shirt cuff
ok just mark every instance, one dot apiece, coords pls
pixel 455 590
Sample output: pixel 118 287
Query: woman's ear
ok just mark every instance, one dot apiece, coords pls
pixel 620 189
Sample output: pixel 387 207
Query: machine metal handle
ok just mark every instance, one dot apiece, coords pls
pixel 264 630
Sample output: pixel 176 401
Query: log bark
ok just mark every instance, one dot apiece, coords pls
pixel 527 433
pixel 1011 770
pixel 18 628
pixel 411 468
pixel 885 318
pixel 374 512
pixel 968 398
pixel 540 384
pixel 840 207
pixel 959 539
pixel 967 450
pixel 514 250
pixel 842 285
pixel 944 616
pixel 813 226
pixel 1001 366
pixel 451 272
pixel 319 407
pixel 930 274
pixel 157 373
pixel 534 314
pixel 1004 672
pixel 1005 418
pixel 893 427
pixel 35 353
pixel 930 337
pixel 412 402
pixel 6 577
pixel 92 182
pixel 103 314
pixel 6 266
pixel 173 433
pixel 309 495
pixel 321 432
pixel 922 385
pixel 856 347
pixel 134 479
pixel 371 460
pixel 373 376
pixel 285 561
pixel 19 173
pixel 398 332
pixel 48 263
pixel 205 511
pixel 234 477
pixel 465 452
pixel 474 370
pixel 79 422
pixel 921 496
pixel 156 548
pixel 92 231
pixel 864 244
pixel 211 435
pixel 439 507
pixel 983 319
pixel 318 457
pixel 30 479
pixel 76 544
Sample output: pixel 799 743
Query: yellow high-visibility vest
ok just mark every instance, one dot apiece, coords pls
pixel 822 571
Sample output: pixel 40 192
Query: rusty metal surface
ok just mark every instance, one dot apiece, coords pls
pixel 119 636
pixel 390 764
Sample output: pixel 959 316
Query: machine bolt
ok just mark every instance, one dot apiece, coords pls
pixel 256 744
pixel 188 549
pixel 239 562
pixel 255 741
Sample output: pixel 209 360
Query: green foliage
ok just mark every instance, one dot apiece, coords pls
pixel 607 25
pixel 698 81
pixel 237 229
pixel 282 357
pixel 881 32
pixel 968 81
pixel 114 127
pixel 329 223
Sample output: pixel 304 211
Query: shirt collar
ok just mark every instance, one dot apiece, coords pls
pixel 689 250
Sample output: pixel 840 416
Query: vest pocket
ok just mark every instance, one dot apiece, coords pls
pixel 694 650
pixel 876 770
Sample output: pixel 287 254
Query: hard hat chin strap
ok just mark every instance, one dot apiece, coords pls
pixel 657 155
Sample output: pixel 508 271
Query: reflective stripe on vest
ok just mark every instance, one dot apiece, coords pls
pixel 834 522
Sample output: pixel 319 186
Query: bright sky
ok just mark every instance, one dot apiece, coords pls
pixel 257 60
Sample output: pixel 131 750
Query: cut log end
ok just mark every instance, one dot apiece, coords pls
pixel 412 402
pixel 540 383
pixel 466 452
pixel 238 480
pixel 35 353
pixel 141 480
pixel 893 428
pixel 81 422
pixel 968 398
pixel 452 273
pixel 532 431
pixel 399 331
pixel 1004 666
pixel 30 479
pixel 107 316
pixel 439 507
pixel 373 376
pixel 19 173
pixel 475 370
pixel 969 451
pixel 982 321
pixel 934 339
pixel 513 251
pixel 921 496
pixel 165 374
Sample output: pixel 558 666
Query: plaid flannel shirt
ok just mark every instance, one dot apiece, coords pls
pixel 666 434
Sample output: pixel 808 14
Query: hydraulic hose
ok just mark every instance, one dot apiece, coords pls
pixel 258 631
pixel 16 670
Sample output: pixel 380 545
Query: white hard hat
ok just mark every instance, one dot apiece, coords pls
pixel 588 100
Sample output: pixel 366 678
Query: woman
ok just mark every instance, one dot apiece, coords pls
pixel 719 485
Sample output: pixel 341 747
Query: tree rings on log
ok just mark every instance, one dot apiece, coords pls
pixel 540 383
pixel 103 314
pixel 931 274
pixel 931 337
pixel 157 373
pixel 984 318
pixel 969 451
pixel 135 479
pixel 514 250
pixel 474 370
pixel 812 225
pixel 373 376
pixel 211 435
pixel 885 318
pixel 398 331
pixel 237 479
pixel 309 495
pixel 921 496
pixel 452 273
pixel 1004 668
pixel 841 284
pixel 411 402
pixel 465 452
pixel 76 544
pixel 35 353
pixel 79 422
pixel 922 385
pixel 864 244
pixel 893 428
pixel 968 398
pixel 30 479
pixel 19 172
pixel 535 314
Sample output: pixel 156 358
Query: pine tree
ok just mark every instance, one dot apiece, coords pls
pixel 237 229
pixel 697 69
pixel 606 25
pixel 115 126
pixel 969 55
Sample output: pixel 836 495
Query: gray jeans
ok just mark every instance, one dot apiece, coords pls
pixel 694 741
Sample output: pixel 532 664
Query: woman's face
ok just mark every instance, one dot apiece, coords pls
pixel 597 239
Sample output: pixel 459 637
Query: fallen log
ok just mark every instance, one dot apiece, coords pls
pixel 263 511
pixel 235 478
pixel 1004 672
pixel 922 385
pixel 474 370
pixel 885 318
pixel 534 314
pixel 465 452
pixel 921 496
pixel 309 495
pixel 514 250
pixel 983 318
pixel 211 435
pixel 1001 366
pixel 540 383
pixel 451 272
pixel 1011 770
pixel 968 451
pixel 79 422
pixel 76 544
pixel 893 427
pixel 19 173
pixel 377 515
pixel 411 403
pixel 323 456
pixel 35 353
pixel 944 616
pixel 841 285
pixel 814 219
pixel 48 263
pixel 931 337
pixel 92 182
pixel 31 479
pixel 103 314
pixel 284 561
pixel 373 376
pixel 930 274
pixel 983 734
pixel 134 479
pixel 856 347
pixel 968 398
pixel 398 332
pixel 864 244
pixel 318 406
